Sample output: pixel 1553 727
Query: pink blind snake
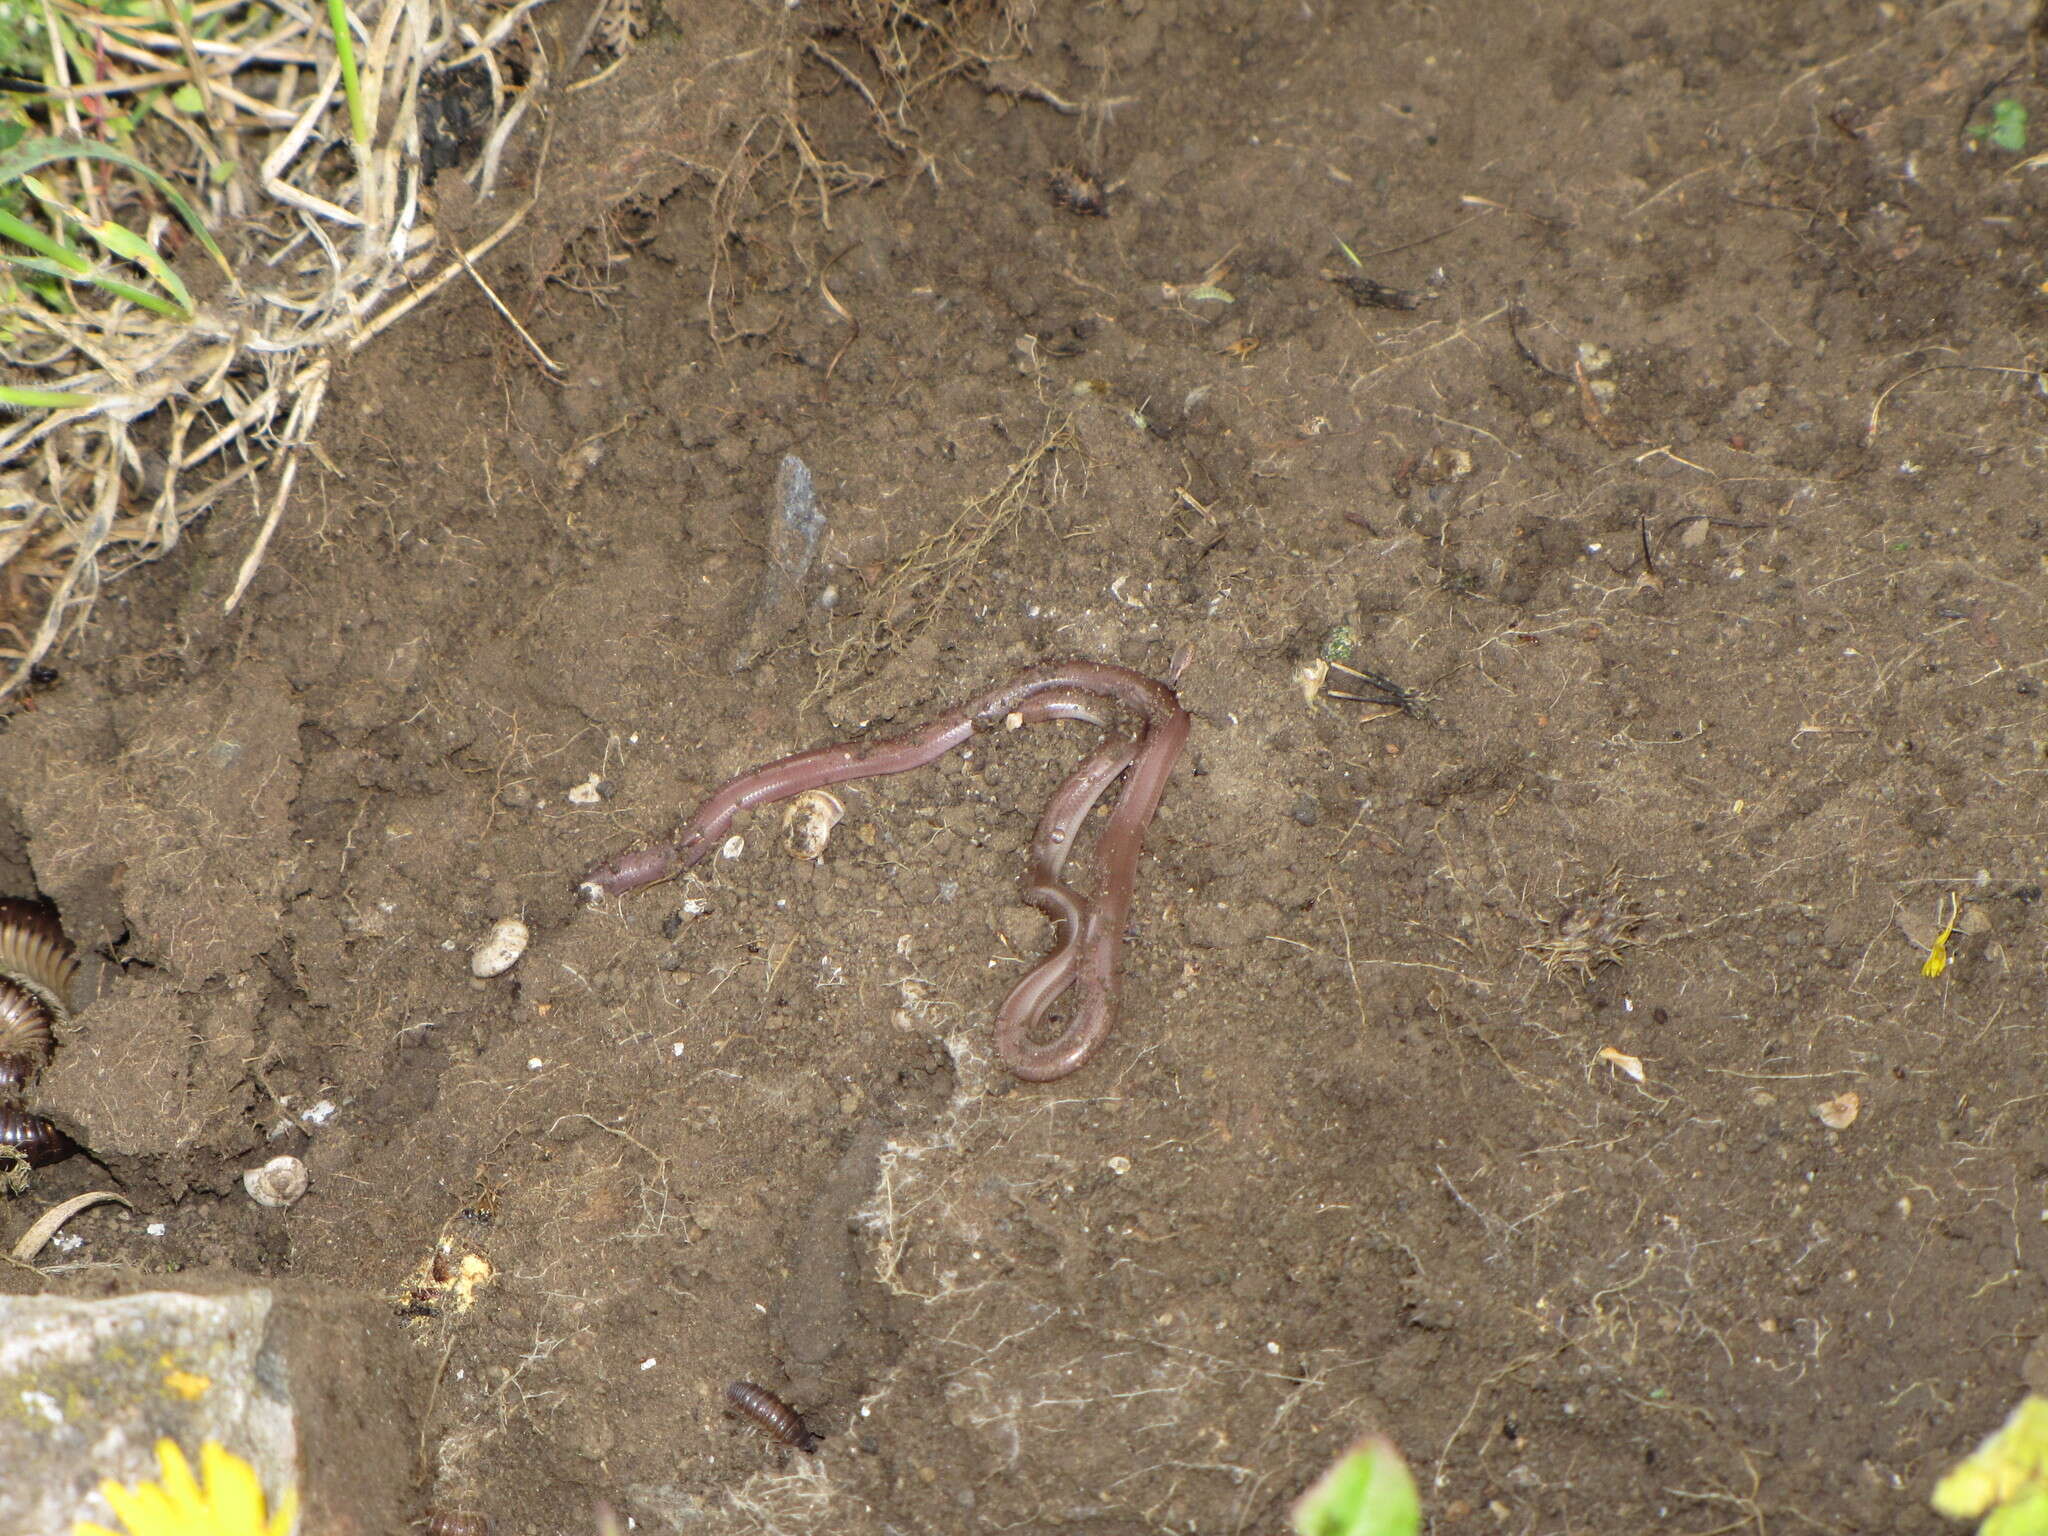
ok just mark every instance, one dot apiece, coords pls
pixel 1088 932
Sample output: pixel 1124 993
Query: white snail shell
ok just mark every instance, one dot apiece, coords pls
pixel 278 1182
pixel 501 948
pixel 808 823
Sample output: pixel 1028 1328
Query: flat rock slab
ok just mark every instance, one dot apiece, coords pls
pixel 310 1386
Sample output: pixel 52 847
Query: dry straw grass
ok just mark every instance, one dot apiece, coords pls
pixel 137 395
pixel 134 405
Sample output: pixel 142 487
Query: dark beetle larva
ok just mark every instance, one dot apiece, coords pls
pixel 33 1137
pixel 770 1415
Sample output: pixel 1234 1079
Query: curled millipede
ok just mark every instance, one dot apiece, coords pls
pixel 26 1035
pixel 31 1137
pixel 770 1415
pixel 37 967
pixel 35 953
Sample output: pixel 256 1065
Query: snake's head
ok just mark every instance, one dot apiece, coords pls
pixel 628 872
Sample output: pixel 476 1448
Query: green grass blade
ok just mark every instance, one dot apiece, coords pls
pixel 20 399
pixel 33 154
pixel 104 281
pixel 124 242
pixel 351 85
pixel 66 263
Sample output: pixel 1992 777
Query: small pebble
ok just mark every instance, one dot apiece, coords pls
pixel 500 949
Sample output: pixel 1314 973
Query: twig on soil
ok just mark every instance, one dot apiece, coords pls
pixel 554 370
pixel 1460 334
pixel 1437 1478
pixel 298 427
pixel 1877 408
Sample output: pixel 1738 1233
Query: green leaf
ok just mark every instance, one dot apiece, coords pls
pixel 1368 1491
pixel 345 56
pixel 101 280
pixel 2006 1471
pixel 186 99
pixel 2009 126
pixel 2026 1515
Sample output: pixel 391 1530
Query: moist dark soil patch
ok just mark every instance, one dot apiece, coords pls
pixel 1650 396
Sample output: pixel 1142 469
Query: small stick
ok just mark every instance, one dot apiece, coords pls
pixel 539 352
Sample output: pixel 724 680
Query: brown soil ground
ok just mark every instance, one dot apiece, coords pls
pixel 1695 494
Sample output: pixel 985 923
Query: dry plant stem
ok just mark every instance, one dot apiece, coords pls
pixel 1088 935
pixel 52 1221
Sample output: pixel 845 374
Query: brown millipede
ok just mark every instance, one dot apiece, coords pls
pixel 770 1415
pixel 36 1140
pixel 34 952
pixel 26 1037
pixel 37 967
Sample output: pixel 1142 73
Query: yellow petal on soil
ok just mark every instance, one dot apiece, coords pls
pixel 287 1514
pixel 1631 1065
pixel 1840 1112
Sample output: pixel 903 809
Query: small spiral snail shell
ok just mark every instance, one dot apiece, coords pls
pixel 279 1182
pixel 808 823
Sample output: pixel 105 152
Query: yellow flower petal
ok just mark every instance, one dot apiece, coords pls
pixel 232 1492
pixel 226 1499
pixel 180 1487
pixel 143 1508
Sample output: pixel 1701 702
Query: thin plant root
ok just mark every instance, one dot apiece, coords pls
pixel 919 585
